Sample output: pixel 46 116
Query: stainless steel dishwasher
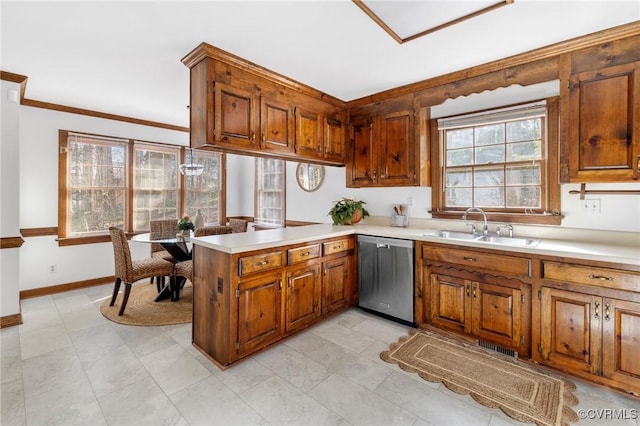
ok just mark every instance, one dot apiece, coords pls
pixel 385 276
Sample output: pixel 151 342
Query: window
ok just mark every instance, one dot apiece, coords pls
pixel 270 192
pixel 155 184
pixel 96 194
pixel 203 192
pixel 498 160
pixel 107 182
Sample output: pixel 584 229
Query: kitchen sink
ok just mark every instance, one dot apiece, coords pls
pixel 490 239
pixel 453 235
pixel 511 241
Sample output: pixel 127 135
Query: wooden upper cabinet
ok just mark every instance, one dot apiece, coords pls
pixel 235 116
pixel 276 125
pixel 383 151
pixel 362 167
pixel 604 124
pixel 237 106
pixel 308 133
pixel 334 140
pixel 396 156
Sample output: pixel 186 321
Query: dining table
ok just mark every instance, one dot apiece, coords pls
pixel 180 250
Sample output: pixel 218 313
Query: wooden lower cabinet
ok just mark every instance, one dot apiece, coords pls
pixel 483 294
pixel 302 297
pixel 593 336
pixel 336 280
pixel 247 301
pixel 258 312
pixel 490 312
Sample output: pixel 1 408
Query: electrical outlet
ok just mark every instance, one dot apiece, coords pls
pixel 410 201
pixel 591 206
pixel 53 269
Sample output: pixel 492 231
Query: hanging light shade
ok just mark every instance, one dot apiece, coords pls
pixel 191 169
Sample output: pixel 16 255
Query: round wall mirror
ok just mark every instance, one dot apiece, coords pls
pixel 309 176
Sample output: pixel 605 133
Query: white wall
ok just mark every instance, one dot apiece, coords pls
pixel 39 196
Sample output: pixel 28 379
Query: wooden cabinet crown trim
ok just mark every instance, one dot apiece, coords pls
pixel 205 50
pixel 547 52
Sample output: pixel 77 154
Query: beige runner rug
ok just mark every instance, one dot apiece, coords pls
pixel 494 381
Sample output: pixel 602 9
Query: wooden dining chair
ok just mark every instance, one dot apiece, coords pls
pixel 204 231
pixel 129 271
pixel 238 225
pixel 159 229
pixel 185 268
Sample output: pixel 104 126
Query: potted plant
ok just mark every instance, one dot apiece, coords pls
pixel 348 211
pixel 185 226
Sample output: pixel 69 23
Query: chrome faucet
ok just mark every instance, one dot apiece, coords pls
pixel 506 226
pixel 485 227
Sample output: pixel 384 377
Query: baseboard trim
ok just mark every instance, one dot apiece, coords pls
pixel 45 291
pixel 11 320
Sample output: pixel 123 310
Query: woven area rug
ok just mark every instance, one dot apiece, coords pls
pixel 493 380
pixel 142 310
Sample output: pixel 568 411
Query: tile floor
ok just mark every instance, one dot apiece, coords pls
pixel 68 365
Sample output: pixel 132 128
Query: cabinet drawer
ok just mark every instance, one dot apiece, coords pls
pixel 302 254
pixel 600 277
pixel 259 262
pixel 337 246
pixel 494 262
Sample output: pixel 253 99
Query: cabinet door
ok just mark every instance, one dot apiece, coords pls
pixel 335 285
pixel 621 342
pixel 363 157
pixel 308 134
pixel 604 124
pixel 259 311
pixel 449 306
pixel 496 314
pixel 396 152
pixel 277 126
pixel 302 297
pixel 235 116
pixel 570 330
pixel 334 137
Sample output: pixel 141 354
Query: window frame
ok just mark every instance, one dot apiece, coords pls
pixel 64 239
pixel 258 190
pixel 549 213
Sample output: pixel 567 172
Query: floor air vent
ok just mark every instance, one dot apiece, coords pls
pixel 498 348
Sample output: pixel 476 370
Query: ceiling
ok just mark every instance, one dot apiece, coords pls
pixel 124 57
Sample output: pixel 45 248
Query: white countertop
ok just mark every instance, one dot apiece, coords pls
pixel 578 249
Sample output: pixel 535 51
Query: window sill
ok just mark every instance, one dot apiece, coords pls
pixel 532 218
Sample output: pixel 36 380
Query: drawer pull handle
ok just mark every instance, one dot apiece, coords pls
pixel 596 314
pixel 305 253
pixel 470 259
pixel 601 277
pixel 607 314
pixel 261 263
pixel 338 247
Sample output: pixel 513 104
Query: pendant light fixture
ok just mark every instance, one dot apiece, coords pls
pixel 191 169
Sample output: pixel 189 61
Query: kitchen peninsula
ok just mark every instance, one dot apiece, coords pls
pixel 254 289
